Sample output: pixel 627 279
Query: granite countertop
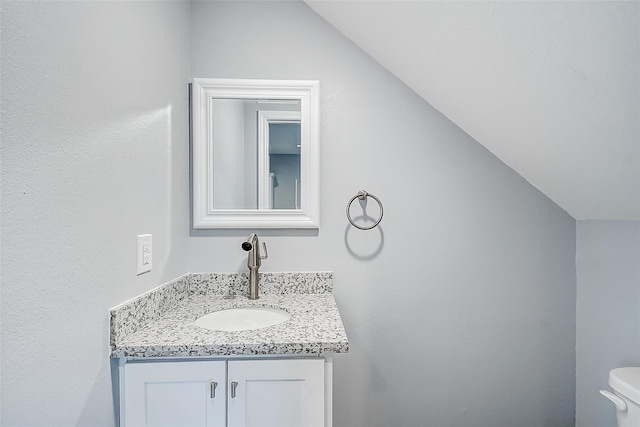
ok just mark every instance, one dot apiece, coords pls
pixel 160 322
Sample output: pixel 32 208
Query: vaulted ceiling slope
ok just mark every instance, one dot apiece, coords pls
pixel 551 88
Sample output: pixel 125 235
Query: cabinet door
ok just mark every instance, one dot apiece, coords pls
pixel 163 394
pixel 276 393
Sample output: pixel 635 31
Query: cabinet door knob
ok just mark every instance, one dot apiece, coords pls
pixel 234 385
pixel 214 385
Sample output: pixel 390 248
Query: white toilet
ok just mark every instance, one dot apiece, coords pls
pixel 625 383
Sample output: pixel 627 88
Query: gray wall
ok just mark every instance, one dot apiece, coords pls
pixel 460 307
pixel 94 151
pixel 608 312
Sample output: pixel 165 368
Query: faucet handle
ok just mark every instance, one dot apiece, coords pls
pixel 266 254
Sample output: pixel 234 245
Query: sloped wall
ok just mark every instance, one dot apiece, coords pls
pixel 460 306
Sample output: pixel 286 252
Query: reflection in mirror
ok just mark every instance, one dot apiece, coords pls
pixel 279 160
pixel 255 153
pixel 284 165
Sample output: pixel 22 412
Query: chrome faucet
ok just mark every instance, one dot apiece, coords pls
pixel 254 258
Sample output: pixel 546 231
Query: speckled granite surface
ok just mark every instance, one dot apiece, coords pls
pixel 159 323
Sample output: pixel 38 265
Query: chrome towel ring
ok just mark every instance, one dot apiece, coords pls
pixel 361 196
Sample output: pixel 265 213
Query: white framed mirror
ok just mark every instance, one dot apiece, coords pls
pixel 255 148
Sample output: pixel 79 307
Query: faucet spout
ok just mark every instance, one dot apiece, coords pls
pixel 254 260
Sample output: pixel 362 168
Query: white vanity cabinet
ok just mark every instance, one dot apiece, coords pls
pixel 231 392
pixel 185 394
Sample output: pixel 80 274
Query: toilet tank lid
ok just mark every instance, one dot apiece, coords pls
pixel 626 381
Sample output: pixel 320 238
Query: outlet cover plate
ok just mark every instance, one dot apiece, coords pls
pixel 145 252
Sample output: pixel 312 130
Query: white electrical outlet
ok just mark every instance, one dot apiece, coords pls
pixel 145 252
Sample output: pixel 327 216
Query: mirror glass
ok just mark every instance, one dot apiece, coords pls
pixel 255 153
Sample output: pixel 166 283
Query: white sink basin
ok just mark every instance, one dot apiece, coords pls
pixel 242 319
